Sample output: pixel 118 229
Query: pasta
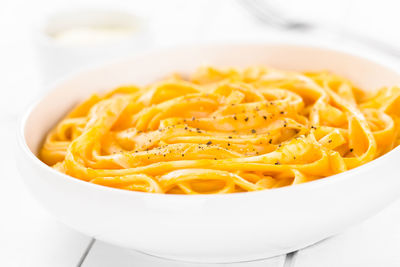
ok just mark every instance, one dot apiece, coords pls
pixel 224 131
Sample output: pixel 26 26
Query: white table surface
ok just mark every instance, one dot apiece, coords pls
pixel 30 237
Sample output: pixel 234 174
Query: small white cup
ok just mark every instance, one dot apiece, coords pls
pixel 60 55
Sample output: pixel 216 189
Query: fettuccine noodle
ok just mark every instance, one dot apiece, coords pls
pixel 224 131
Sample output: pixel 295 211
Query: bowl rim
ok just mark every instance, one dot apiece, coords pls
pixel 22 120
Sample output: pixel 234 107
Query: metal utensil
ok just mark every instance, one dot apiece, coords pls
pixel 267 14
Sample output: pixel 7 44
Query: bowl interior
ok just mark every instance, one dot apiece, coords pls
pixel 152 66
pixel 89 18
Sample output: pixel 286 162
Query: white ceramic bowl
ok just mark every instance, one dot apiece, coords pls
pixel 209 228
pixel 60 58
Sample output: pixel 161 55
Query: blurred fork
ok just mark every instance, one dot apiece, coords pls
pixel 265 13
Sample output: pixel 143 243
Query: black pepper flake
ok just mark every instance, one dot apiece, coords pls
pixel 294 157
pixel 209 143
pixel 253 131
pixel 215 158
pixel 277 163
pixel 234 117
pixel 230 137
pixel 351 149
pixel 186 128
pixel 281 112
pixel 329 141
pixel 183 155
pixel 246 119
pixel 229 144
pixel 270 141
pixel 164 155
pixel 265 117
pixel 193 118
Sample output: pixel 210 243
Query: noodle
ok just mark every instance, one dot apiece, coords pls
pixel 224 131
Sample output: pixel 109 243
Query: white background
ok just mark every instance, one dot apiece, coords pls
pixel 29 237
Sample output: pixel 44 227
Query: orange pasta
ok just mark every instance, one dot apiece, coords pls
pixel 224 131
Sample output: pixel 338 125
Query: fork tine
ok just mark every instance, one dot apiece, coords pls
pixel 264 12
pixel 254 10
